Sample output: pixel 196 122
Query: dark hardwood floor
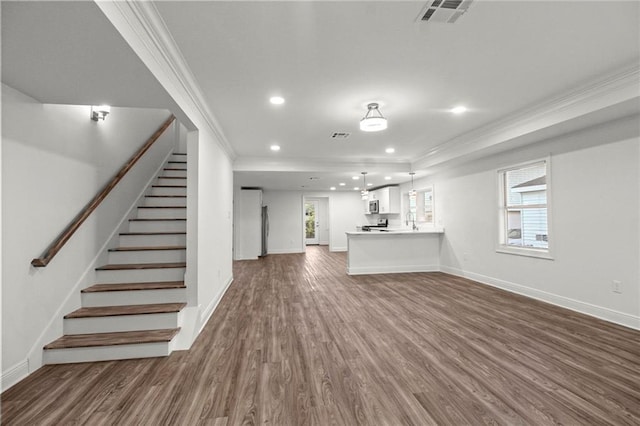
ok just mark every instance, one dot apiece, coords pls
pixel 296 341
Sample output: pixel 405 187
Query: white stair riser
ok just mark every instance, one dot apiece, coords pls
pixel 139 275
pixel 133 297
pixel 158 226
pixel 162 201
pixel 107 353
pixel 168 191
pixel 175 173
pixel 147 256
pixel 153 240
pixel 121 323
pixel 171 182
pixel 163 213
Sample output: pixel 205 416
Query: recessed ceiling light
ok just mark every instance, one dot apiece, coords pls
pixel 275 147
pixel 342 184
pixel 387 178
pixel 355 188
pixel 355 177
pixel 390 150
pixel 276 100
pixel 459 109
pixel 333 188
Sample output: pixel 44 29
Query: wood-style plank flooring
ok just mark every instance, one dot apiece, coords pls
pixel 296 341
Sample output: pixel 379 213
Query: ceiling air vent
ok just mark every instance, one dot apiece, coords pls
pixel 444 11
pixel 340 135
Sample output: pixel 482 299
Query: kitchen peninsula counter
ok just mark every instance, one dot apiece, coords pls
pixel 393 251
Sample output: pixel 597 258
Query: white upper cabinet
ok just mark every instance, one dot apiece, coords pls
pixel 388 200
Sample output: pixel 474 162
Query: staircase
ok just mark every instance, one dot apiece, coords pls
pixel 134 311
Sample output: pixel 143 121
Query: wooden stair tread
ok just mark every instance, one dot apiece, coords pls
pixel 168 186
pixel 162 207
pixel 109 339
pixel 172 177
pixel 113 311
pixel 175 169
pixel 148 248
pixel 179 153
pixel 151 220
pixel 177 162
pixel 161 285
pixel 166 265
pixel 155 233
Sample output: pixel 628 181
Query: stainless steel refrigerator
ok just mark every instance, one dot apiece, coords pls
pixel 265 230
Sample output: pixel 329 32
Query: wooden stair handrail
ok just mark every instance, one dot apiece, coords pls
pixel 65 235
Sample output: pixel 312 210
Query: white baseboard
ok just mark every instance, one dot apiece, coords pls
pixel 606 314
pixel 338 249
pixel 14 374
pixel 286 251
pixel 213 305
pixel 195 319
pixel 392 269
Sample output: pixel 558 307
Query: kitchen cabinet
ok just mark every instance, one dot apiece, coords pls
pixel 393 252
pixel 388 200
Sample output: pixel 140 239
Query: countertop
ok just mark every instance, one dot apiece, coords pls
pixel 399 232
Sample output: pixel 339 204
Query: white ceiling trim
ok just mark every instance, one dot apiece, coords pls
pixel 265 164
pixel 141 25
pixel 614 88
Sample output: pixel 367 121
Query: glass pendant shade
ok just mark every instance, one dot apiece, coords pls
pixel 364 193
pixel 412 193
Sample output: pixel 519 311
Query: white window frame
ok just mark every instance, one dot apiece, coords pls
pixel 502 246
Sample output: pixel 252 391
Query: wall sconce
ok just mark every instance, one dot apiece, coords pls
pixel 100 112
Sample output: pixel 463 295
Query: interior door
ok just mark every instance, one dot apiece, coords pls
pixel 311 223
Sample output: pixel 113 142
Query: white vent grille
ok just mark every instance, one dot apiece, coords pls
pixel 444 11
pixel 340 135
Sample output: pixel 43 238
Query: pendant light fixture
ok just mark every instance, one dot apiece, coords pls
pixel 373 121
pixel 412 193
pixel 364 193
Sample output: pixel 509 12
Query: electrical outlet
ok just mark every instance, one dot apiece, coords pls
pixel 616 286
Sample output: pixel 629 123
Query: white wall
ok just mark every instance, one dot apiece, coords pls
pixel 286 218
pixel 209 232
pixel 55 159
pixel 346 212
pixel 215 227
pixel 285 221
pixel 594 236
pixel 247 209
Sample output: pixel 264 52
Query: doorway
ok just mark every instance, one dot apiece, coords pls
pixel 311 222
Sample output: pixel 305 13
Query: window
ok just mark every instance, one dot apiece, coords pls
pixel 524 210
pixel 421 206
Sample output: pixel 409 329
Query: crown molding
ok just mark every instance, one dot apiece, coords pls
pixel 143 28
pixel 614 88
pixel 267 164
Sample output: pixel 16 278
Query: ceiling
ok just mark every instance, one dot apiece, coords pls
pixel 328 59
